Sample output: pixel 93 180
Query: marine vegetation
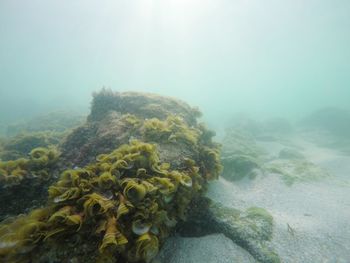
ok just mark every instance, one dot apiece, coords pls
pixel 252 229
pixel 127 200
pixel 127 176
pixel 172 129
pixel 20 145
pixel 37 166
pixel 296 170
pixel 144 105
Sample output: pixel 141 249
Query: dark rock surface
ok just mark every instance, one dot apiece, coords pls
pixel 107 128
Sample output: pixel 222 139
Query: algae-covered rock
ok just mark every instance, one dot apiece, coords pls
pixel 236 167
pixel 207 249
pixel 24 181
pixel 20 145
pixel 142 105
pixel 296 170
pixel 241 156
pixel 128 177
pixel 116 118
pixel 251 229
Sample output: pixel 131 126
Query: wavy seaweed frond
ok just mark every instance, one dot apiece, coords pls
pixel 113 238
pixel 96 204
pixel 147 247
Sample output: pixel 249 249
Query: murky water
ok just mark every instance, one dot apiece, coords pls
pixel 271 78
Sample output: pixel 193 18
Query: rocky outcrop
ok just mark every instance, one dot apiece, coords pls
pixel 116 118
pixel 128 176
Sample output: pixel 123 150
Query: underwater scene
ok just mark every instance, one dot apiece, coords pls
pixel 174 131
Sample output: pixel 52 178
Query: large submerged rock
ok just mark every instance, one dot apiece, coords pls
pixel 135 171
pixel 116 118
pixel 128 176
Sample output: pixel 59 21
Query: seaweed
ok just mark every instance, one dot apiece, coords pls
pixel 172 129
pixel 296 170
pixel 37 166
pixel 127 199
pixel 127 177
pixel 20 145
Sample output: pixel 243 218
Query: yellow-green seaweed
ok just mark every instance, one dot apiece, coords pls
pixel 172 129
pixel 131 198
pixel 128 200
pixel 38 165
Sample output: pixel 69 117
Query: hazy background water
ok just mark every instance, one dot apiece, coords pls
pixel 270 58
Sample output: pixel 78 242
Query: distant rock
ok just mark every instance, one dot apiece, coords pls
pixel 289 153
pixel 333 120
pixel 270 129
pixel 241 156
pixel 296 170
pixel 58 121
pixel 328 127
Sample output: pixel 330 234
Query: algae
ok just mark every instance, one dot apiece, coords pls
pixel 37 166
pixel 20 145
pixel 114 198
pixel 251 229
pixel 296 170
pixel 127 177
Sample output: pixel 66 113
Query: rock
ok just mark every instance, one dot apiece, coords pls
pixel 296 170
pixel 137 162
pixel 24 181
pixel 21 198
pixel 20 145
pixel 328 127
pixel 58 121
pixel 113 120
pixel 236 167
pixel 288 153
pixel 241 156
pixel 143 105
pixel 271 129
pixel 207 249
pixel 251 229
pixel 333 120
